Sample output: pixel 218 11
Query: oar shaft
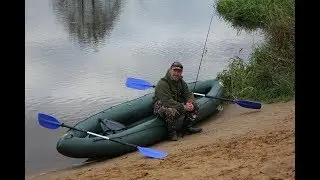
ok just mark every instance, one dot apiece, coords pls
pixel 242 103
pixel 73 128
pixel 98 135
pixel 199 94
pixel 224 99
pixel 105 137
pixel 220 98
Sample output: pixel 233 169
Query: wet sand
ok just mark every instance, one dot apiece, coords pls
pixel 237 143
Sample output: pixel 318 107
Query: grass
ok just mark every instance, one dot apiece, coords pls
pixel 268 76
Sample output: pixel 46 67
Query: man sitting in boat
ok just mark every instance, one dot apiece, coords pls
pixel 175 103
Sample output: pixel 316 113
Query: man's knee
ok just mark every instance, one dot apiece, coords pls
pixel 157 106
pixel 171 113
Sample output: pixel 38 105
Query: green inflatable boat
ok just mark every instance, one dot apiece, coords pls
pixel 132 122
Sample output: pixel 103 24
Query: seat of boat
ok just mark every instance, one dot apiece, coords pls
pixel 111 127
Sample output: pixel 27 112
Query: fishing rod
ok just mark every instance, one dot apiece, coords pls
pixel 203 50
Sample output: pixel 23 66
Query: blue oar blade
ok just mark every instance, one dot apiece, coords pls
pixel 248 104
pixel 48 121
pixel 152 152
pixel 139 84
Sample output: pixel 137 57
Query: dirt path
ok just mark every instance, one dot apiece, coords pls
pixel 237 143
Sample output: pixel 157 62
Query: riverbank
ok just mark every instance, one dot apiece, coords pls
pixel 269 74
pixel 237 143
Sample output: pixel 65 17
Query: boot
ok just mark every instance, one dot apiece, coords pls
pixel 173 136
pixel 191 129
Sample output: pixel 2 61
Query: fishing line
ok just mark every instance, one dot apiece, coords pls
pixel 203 50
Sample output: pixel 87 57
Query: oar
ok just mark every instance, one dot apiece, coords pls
pixel 141 84
pixel 50 122
pixel 242 103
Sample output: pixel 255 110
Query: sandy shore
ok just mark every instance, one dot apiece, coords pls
pixel 237 143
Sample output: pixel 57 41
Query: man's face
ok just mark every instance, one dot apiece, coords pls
pixel 176 74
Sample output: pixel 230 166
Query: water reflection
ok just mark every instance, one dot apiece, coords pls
pixel 87 22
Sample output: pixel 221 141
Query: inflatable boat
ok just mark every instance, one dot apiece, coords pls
pixel 132 122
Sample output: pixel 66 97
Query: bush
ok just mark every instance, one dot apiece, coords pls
pixel 269 75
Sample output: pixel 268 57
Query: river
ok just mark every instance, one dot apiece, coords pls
pixel 79 53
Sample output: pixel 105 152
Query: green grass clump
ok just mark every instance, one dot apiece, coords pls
pixel 269 74
pixel 256 13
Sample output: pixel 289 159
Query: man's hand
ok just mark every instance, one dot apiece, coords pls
pixel 188 106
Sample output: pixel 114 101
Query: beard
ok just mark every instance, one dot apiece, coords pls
pixel 176 78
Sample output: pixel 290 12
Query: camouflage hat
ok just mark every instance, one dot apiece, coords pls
pixel 176 65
